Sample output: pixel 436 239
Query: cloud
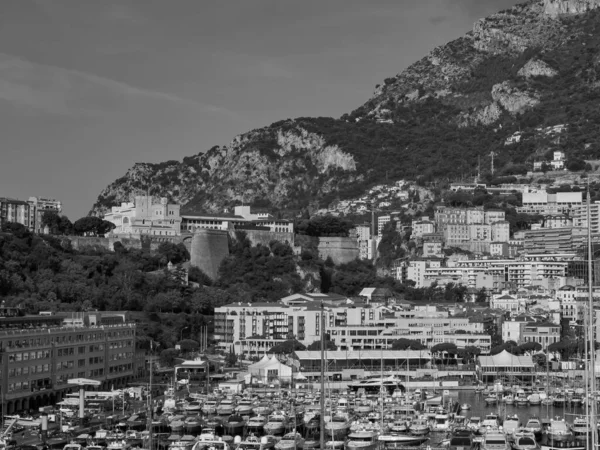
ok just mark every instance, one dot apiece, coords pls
pixel 64 91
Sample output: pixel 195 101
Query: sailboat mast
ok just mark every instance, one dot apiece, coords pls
pixel 322 436
pixel 591 326
pixel 381 388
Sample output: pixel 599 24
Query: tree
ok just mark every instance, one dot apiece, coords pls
pixel 92 226
pixel 168 356
pixel 327 225
pixel 407 344
pixel 287 347
pixel 188 345
pixel 174 253
pixel 316 345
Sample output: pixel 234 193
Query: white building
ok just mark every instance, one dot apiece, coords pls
pixel 145 217
pixel 543 203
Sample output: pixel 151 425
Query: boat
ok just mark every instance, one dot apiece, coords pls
pixel 263 409
pixel 362 440
pixel 465 407
pixel 73 446
pixel 256 424
pixel 511 424
pixel 399 426
pixel 441 422
pixel 509 399
pixel 558 431
pixel 210 406
pixel 560 399
pixel 474 424
pixel 534 426
pixel 524 440
pixel 192 425
pixel 254 443
pixel 534 399
pixel 208 441
pixel 185 443
pixel 276 424
pixel 244 407
pixel 338 426
pixel 489 423
pixel 234 425
pixel 521 398
pixel 193 407
pixel 581 427
pixel 290 441
pixel 494 441
pixel 491 399
pixel 373 385
pixel 392 441
pixel 120 444
pixel 226 407
pixel 461 441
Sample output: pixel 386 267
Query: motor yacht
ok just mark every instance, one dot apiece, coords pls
pixel 234 425
pixel 338 426
pixel 461 441
pixel 534 426
pixel 256 424
pixel 489 423
pixel 494 441
pixel 397 441
pixel 192 425
pixel 534 399
pixel 210 406
pixel 441 422
pixel 558 431
pixel 208 441
pixel 226 407
pixel 276 424
pixel 509 399
pixel 511 424
pixel 290 441
pixel 524 440
pixel 521 398
pixel 254 443
pixel 474 423
pixel 362 440
pixel 244 407
pixel 491 399
pixel 560 399
pixel 193 407
pixel 581 427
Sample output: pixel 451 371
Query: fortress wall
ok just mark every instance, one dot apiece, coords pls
pixel 341 250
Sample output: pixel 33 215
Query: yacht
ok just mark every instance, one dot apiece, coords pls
pixel 256 424
pixel 234 425
pixel 511 424
pixel 362 440
pixel 290 441
pixel 396 441
pixel 534 399
pixel 461 441
pixel 373 385
pixel 521 399
pixel 494 441
pixel 490 423
pixel 193 407
pixel 534 426
pixel 491 399
pixel 244 407
pixel 254 443
pixel 192 425
pixel 580 427
pixel 560 399
pixel 474 424
pixel 276 424
pixel 226 407
pixel 558 431
pixel 210 406
pixel 208 441
pixel 441 422
pixel 182 444
pixel 338 426
pixel 524 440
pixel 509 399
pixel 419 427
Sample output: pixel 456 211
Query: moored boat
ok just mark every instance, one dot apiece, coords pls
pixel 558 431
pixel 256 424
pixel 524 440
pixel 290 441
pixel 234 425
pixel 362 440
pixel 276 424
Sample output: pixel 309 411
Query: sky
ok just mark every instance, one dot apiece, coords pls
pixel 88 87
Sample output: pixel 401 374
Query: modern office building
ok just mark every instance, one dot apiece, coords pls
pixel 39 354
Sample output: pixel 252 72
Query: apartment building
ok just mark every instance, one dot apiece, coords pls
pixel 579 215
pixel 17 211
pixel 541 333
pixel 40 205
pixel 544 203
pixel 39 354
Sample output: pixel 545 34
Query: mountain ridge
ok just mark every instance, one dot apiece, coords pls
pixel 519 70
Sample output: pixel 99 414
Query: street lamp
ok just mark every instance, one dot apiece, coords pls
pixel 181 334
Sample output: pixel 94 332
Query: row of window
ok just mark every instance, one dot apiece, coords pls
pixel 120 368
pixel 29 370
pixel 30 342
pixel 28 356
pixel 120 344
pixel 118 356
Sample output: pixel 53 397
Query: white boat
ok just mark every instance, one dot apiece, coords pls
pixel 534 399
pixel 290 441
pixel 521 399
pixel 534 426
pixel 338 426
pixel 208 441
pixel 209 407
pixel 226 407
pixel 511 424
pixel 558 431
pixel 276 424
pixel 390 441
pixel 489 424
pixel 193 407
pixel 524 440
pixel 73 446
pixel 181 444
pixel 474 423
pixel 491 399
pixel 362 440
pixel 465 407
pixel 254 443
pixel 373 385
pixel 509 399
pixel 441 422
pixel 419 427
pixel 244 407
pixel 494 441
pixel 580 427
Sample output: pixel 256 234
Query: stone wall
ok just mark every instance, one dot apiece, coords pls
pixel 341 250
pixel 209 248
pixel 129 241
pixel 263 237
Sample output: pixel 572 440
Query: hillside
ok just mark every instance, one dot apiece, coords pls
pixel 525 70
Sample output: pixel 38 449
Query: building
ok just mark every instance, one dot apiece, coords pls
pixel 505 367
pixel 507 302
pixel 579 215
pixel 511 330
pixel 421 227
pixel 382 221
pixel 555 240
pixel 242 218
pixel 39 206
pixel 17 211
pixel 262 218
pixel 541 333
pixel 39 354
pixel 146 217
pixel 558 162
pixel 544 203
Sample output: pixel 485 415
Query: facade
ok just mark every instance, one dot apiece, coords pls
pixel 579 214
pixel 541 333
pixel 421 227
pixel 382 221
pixel 17 211
pixel 553 240
pixel 504 367
pixel 146 217
pixel 543 203
pixel 38 361
pixel 241 218
pixel 39 206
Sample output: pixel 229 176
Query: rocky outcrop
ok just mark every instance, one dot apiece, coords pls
pixel 512 99
pixel 536 68
pixel 484 116
pixel 555 8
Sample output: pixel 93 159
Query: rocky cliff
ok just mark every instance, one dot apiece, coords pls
pixel 527 68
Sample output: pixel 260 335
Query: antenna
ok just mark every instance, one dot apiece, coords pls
pixel 478 168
